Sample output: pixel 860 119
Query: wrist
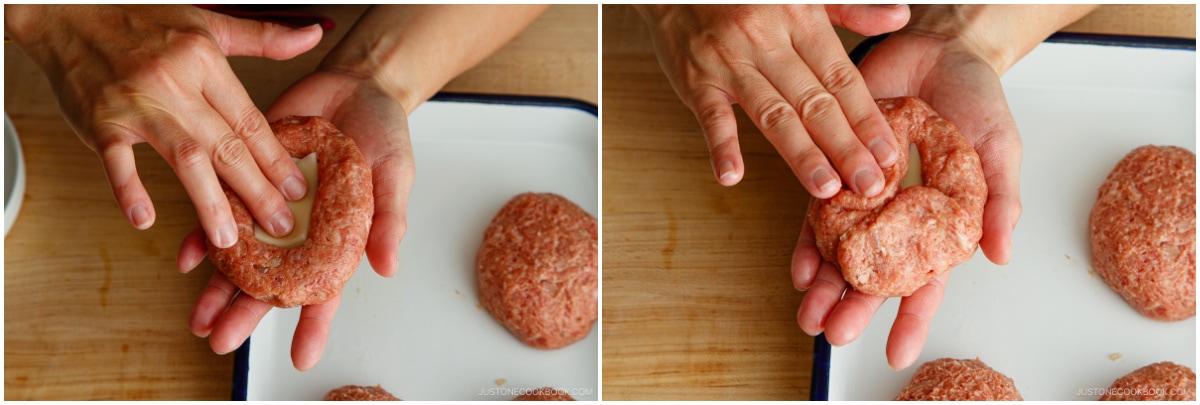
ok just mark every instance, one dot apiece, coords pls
pixel 968 28
pixel 999 34
pixel 25 23
pixel 376 61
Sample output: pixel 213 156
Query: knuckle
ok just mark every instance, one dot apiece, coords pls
pixel 839 78
pixel 774 115
pixel 188 154
pixel 248 122
pixel 229 151
pixel 817 105
pixel 190 39
pixel 712 114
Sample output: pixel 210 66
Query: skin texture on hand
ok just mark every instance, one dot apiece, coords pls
pixel 394 58
pixel 158 74
pixel 380 128
pixel 952 57
pixel 786 67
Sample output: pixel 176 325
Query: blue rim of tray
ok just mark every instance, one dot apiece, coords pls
pixel 822 351
pixel 241 357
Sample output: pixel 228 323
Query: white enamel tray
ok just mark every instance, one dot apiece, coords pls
pixel 422 335
pixel 1046 320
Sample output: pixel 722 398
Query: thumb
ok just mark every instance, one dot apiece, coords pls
pixel 242 37
pixel 868 20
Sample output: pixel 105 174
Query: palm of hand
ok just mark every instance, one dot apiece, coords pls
pixel 966 90
pixel 379 126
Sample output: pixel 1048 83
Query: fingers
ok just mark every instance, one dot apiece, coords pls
pixel 231 159
pixel 233 326
pixel 131 195
pixel 869 20
pixel 380 127
pixel 819 301
pixel 806 259
pixel 912 323
pixel 821 115
pixel 191 250
pixel 1001 168
pixel 241 37
pixel 191 163
pixel 852 99
pixel 211 304
pixel 312 331
pixel 715 114
pixel 781 125
pixel 227 96
pixel 850 317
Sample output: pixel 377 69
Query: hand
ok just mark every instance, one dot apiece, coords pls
pixel 962 86
pixel 379 125
pixel 130 74
pixel 786 67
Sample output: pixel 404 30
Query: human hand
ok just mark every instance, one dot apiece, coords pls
pixel 379 126
pixel 786 67
pixel 962 85
pixel 158 74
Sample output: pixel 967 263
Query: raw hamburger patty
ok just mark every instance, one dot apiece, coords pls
pixel 538 272
pixel 1143 230
pixel 315 271
pixel 958 380
pixel 360 393
pixel 544 394
pixel 896 242
pixel 1165 381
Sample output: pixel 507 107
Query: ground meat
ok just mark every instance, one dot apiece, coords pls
pixel 316 271
pixel 896 242
pixel 958 380
pixel 538 270
pixel 1143 231
pixel 1163 381
pixel 360 393
pixel 544 394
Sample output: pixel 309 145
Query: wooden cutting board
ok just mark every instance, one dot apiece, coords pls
pixel 94 309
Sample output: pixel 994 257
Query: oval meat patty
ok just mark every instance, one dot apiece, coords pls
pixel 315 271
pixel 1143 231
pixel 958 380
pixel 538 270
pixel 360 393
pixel 892 244
pixel 1165 381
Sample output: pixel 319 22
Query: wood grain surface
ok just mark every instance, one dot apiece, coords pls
pixel 698 302
pixel 94 309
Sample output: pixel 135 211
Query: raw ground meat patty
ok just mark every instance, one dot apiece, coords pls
pixel 1143 230
pixel 538 270
pixel 360 393
pixel 958 380
pixel 315 271
pixel 896 242
pixel 1165 381
pixel 544 394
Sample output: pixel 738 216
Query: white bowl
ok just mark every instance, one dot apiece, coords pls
pixel 14 175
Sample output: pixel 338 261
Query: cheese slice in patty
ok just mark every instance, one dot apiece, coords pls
pixel 301 210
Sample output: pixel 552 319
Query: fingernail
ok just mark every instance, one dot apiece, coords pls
pixel 884 153
pixel 226 236
pixel 140 217
pixel 294 188
pixel 868 183
pixel 725 170
pixel 825 181
pixel 281 223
